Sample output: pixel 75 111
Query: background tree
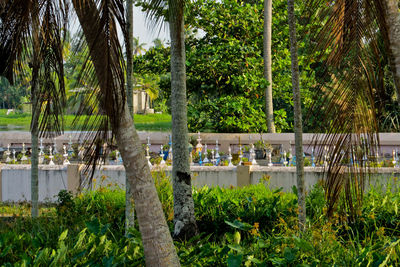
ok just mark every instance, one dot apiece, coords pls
pixel 298 128
pixel 138 47
pixel 32 31
pixel 224 66
pixel 269 109
pixel 185 225
pixel 184 220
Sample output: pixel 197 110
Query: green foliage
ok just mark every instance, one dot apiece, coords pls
pixel 227 114
pixel 214 206
pixel 224 65
pixel 251 226
pixel 12 96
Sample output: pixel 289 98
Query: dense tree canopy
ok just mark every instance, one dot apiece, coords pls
pixel 225 66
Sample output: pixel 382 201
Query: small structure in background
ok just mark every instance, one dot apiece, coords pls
pixel 141 102
pixel 65 155
pixel 206 160
pixel 51 156
pixel 8 153
pixel 24 158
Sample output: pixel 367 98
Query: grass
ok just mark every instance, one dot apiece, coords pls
pixel 21 121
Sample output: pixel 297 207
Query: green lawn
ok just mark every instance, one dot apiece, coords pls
pixel 149 122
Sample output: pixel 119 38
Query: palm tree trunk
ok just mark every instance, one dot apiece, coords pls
pixel 35 113
pixel 298 129
pixel 129 211
pixel 393 32
pixel 34 157
pixel 269 109
pixel 129 60
pixel 184 220
pixel 159 249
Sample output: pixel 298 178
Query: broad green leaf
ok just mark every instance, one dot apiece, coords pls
pixel 234 260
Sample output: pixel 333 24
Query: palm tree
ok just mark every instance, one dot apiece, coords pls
pixel 99 28
pixel 129 211
pixel 269 109
pixel 298 128
pixel 138 47
pixel 184 220
pixel 42 45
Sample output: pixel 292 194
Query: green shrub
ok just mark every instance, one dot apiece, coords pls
pixel 250 226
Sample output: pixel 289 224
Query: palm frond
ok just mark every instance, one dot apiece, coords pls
pixel 17 48
pixel 102 73
pixel 348 47
pixel 15 23
pixel 52 99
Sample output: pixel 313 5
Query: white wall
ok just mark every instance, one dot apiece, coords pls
pixel 16 182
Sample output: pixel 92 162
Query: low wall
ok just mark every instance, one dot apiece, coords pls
pixel 15 180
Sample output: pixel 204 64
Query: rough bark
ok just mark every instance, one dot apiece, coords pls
pixel 129 211
pixel 269 109
pixel 184 221
pixel 35 112
pixel 158 246
pixel 298 129
pixel 393 32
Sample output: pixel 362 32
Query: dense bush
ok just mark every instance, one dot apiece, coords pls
pixel 251 226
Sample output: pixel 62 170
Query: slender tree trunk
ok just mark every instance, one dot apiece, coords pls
pixel 393 32
pixel 298 129
pixel 129 60
pixel 35 112
pixel 34 157
pixel 159 249
pixel 184 221
pixel 269 109
pixel 129 210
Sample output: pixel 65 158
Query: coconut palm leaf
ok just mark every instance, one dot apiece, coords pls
pixel 16 49
pixel 348 47
pixel 102 74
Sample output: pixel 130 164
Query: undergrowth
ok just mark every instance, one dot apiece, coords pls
pixel 250 226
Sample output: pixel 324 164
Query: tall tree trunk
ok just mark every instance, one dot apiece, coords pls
pixel 129 60
pixel 129 211
pixel 184 221
pixel 269 109
pixel 393 32
pixel 159 249
pixel 35 112
pixel 298 129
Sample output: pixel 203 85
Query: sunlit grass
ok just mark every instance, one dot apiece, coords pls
pixel 21 121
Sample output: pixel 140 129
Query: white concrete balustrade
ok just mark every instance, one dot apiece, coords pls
pixel 15 180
